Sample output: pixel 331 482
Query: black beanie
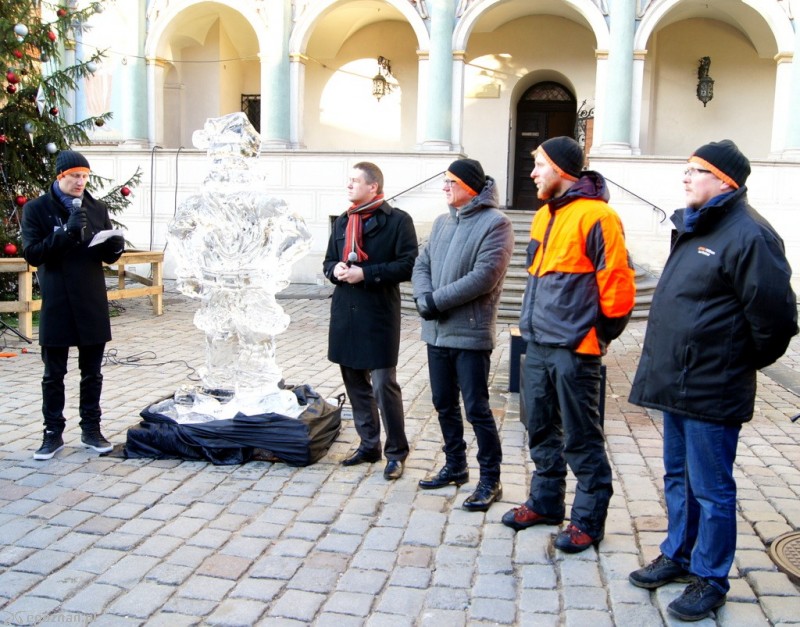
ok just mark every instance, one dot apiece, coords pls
pixel 725 161
pixel 565 155
pixel 469 174
pixel 69 160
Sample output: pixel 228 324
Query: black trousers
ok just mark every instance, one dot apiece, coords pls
pixel 456 371
pixel 562 395
pixel 90 359
pixel 370 391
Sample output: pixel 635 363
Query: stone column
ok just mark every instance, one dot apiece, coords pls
pixel 297 79
pixel 440 76
pixel 155 87
pixel 275 72
pixel 617 114
pixel 792 147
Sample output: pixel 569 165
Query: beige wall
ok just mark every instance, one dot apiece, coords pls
pixel 521 53
pixel 744 87
pixel 340 110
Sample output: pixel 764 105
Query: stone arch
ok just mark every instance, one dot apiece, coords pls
pixel 776 23
pixel 304 28
pixel 585 8
pixel 154 42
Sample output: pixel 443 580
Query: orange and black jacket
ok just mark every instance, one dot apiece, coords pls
pixel 580 290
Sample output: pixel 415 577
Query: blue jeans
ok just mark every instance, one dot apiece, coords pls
pixel 700 492
pixel 454 370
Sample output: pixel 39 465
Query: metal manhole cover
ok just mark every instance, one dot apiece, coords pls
pixel 785 552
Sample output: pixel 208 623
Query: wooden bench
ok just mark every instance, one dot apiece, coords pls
pixel 25 305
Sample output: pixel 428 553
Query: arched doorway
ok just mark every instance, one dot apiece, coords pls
pixel 547 109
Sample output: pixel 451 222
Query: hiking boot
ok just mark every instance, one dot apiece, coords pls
pixel 52 443
pixel 523 517
pixel 574 540
pixel 445 476
pixel 698 601
pixel 659 572
pixel 93 439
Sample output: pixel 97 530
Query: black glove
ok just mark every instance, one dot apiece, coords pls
pixel 426 307
pixel 76 223
pixel 116 244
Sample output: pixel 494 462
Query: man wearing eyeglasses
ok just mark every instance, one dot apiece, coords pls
pixel 723 309
pixel 458 278
pixel 57 229
pixel 371 251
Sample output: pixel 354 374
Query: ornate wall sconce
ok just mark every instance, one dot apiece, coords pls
pixel 705 84
pixel 380 86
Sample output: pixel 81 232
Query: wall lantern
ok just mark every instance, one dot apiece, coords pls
pixel 705 84
pixel 380 86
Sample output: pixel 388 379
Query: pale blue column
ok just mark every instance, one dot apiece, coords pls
pixel 131 99
pixel 793 130
pixel 617 127
pixel 440 77
pixel 275 75
pixel 128 95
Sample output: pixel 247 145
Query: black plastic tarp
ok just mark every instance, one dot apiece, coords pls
pixel 296 441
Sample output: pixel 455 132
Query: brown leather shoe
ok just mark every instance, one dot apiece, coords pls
pixel 523 517
pixel 393 470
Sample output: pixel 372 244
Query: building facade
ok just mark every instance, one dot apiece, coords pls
pixel 414 84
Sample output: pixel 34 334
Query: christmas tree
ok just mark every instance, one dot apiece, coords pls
pixel 33 128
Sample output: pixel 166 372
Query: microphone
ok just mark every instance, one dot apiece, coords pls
pixel 77 205
pixel 351 258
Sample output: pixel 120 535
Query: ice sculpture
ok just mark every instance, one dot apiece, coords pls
pixel 234 246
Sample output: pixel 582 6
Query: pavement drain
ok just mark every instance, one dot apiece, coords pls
pixel 785 552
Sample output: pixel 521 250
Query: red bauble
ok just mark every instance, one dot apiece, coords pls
pixel 125 191
pixel 11 77
pixel 11 89
pixel 20 200
pixel 3 140
pixel 17 53
pixel 51 35
pixel 10 249
pixel 61 13
pixel 53 110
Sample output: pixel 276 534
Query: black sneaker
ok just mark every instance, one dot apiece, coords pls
pixel 51 444
pixel 93 439
pixel 698 601
pixel 659 572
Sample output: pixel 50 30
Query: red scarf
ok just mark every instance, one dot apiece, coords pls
pixel 354 233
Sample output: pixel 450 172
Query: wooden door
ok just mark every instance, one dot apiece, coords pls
pixel 546 110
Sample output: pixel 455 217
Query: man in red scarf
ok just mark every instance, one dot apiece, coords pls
pixel 371 251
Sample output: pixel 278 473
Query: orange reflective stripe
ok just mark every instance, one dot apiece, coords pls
pixel 589 345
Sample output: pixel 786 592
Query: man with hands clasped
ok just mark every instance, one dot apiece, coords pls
pixel 370 252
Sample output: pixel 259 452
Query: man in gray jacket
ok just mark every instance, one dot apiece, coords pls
pixel 457 281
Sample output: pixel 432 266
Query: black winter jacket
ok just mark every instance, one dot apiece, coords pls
pixel 70 273
pixel 723 308
pixel 364 330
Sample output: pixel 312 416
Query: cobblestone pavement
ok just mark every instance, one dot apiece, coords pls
pixel 170 542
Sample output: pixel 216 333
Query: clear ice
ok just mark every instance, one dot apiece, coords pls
pixel 234 246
